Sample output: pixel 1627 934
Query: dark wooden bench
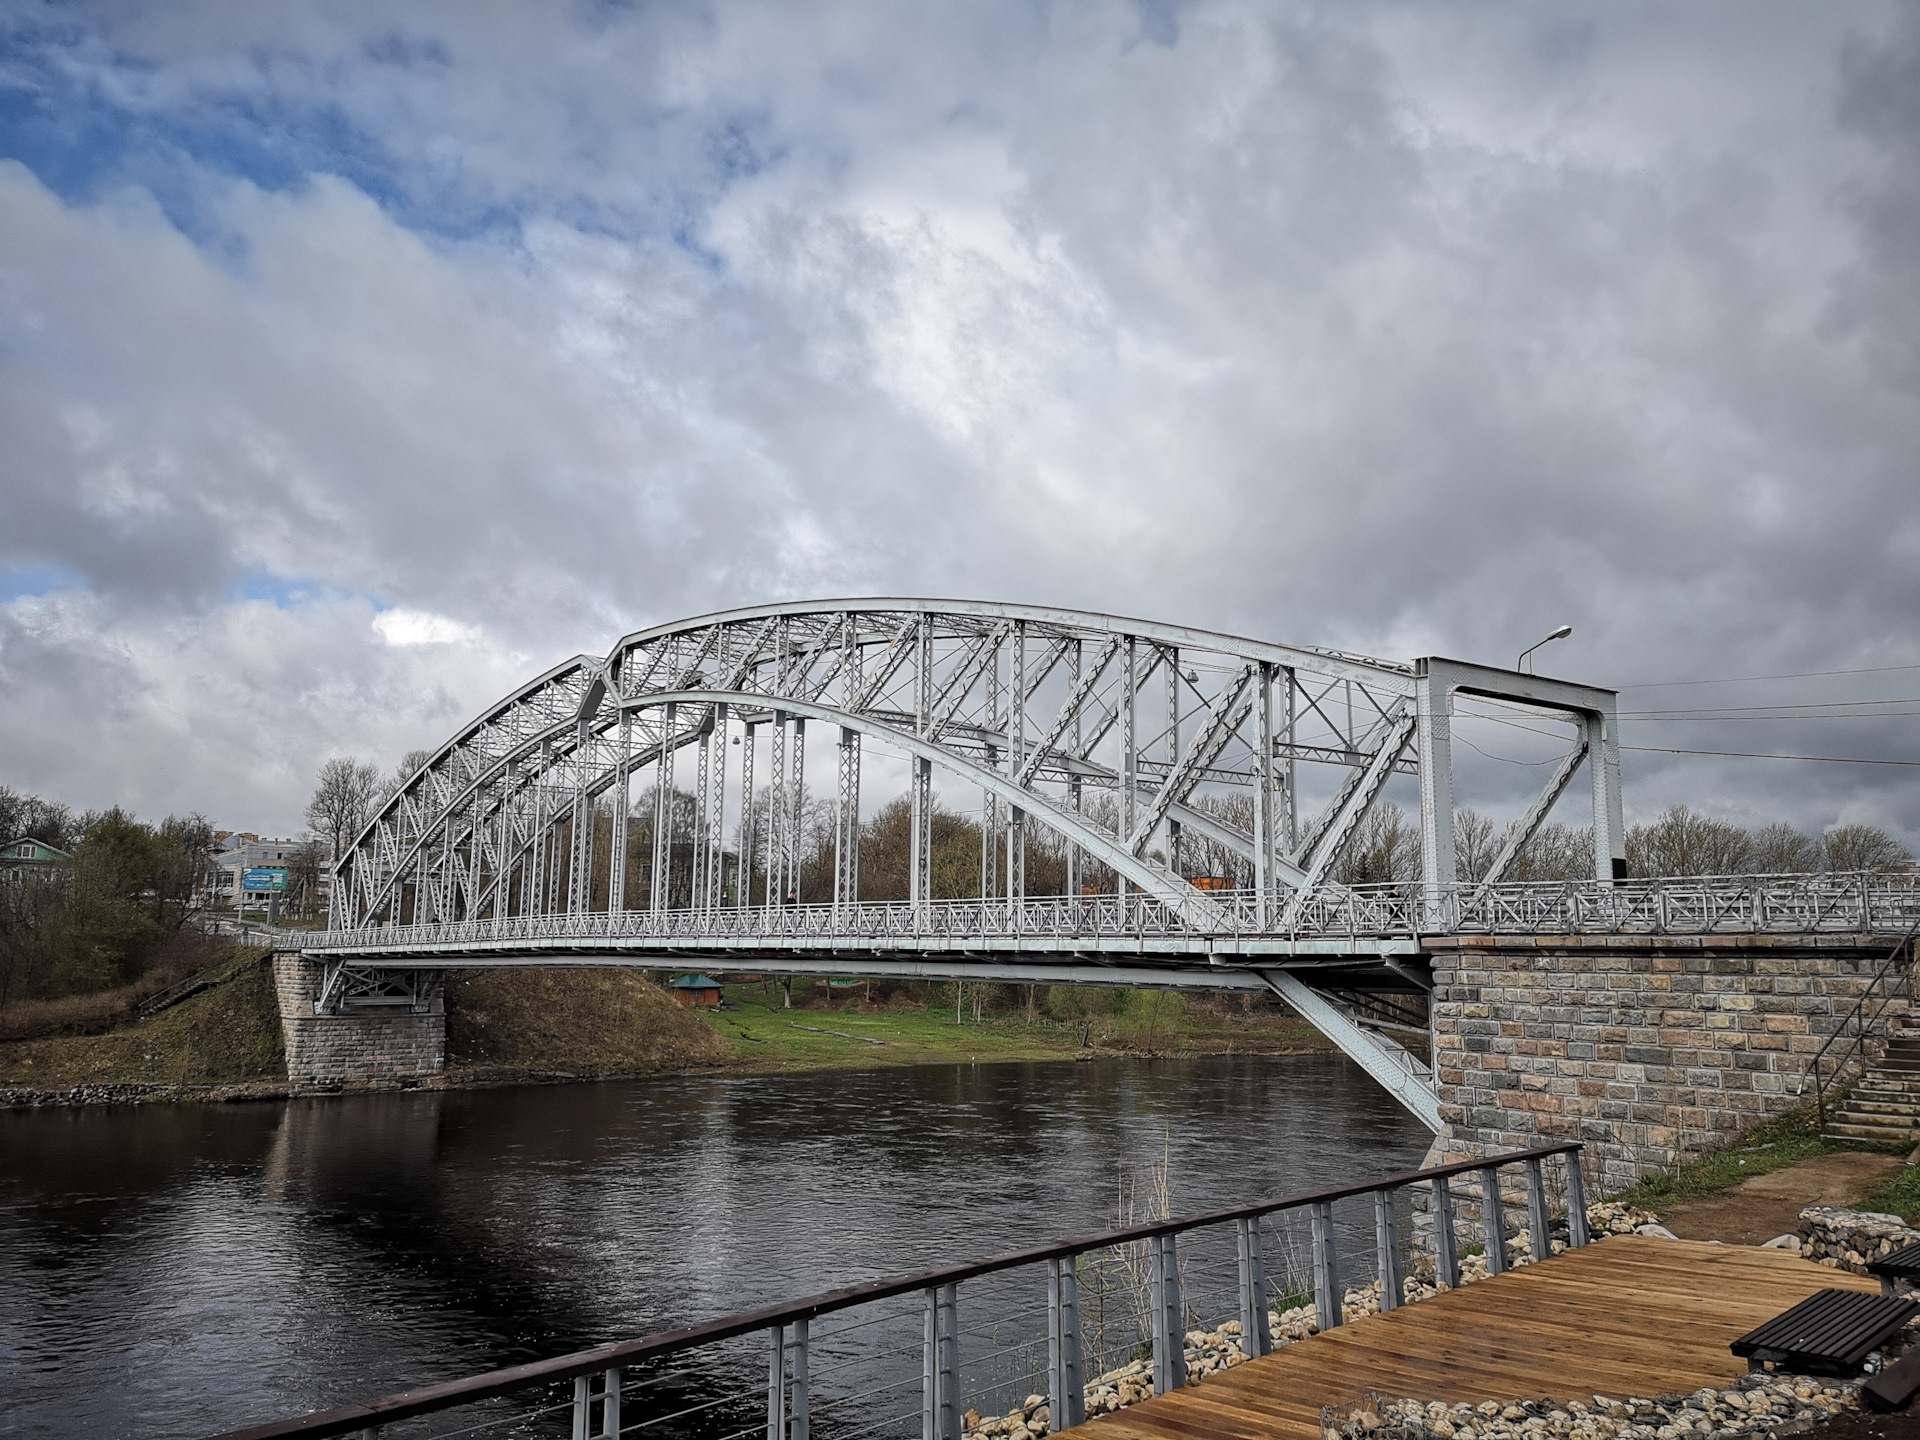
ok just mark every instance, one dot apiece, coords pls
pixel 1829 1333
pixel 1902 1264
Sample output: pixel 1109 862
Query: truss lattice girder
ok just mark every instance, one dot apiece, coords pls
pixel 921 675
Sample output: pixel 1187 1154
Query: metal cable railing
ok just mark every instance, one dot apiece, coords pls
pixel 1089 1324
pixel 1854 1029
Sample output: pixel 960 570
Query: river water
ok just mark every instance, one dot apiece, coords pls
pixel 182 1270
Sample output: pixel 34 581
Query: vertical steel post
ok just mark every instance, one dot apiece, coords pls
pixel 800 1406
pixel 1495 1218
pixel 717 814
pixel 617 843
pixel 1446 1250
pixel 1327 1310
pixel 1255 1338
pixel 846 836
pixel 947 1372
pixel 1539 1233
pixel 1386 1247
pixel 582 1407
pixel 920 820
pixel 1176 1312
pixel 930 1366
pixel 697 880
pixel 797 812
pixel 1265 901
pixel 773 880
pixel 743 896
pixel 1066 1382
pixel 776 1383
pixel 1157 1315
pixel 1289 831
pixel 1576 1200
pixel 610 1405
pixel 1075 869
pixel 1129 759
pixel 663 815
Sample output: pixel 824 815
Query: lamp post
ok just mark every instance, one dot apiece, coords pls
pixel 1560 634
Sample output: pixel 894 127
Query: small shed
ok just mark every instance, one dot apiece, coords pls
pixel 701 991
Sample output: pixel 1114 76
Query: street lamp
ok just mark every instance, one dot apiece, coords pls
pixel 1560 634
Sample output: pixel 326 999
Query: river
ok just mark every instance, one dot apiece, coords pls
pixel 186 1269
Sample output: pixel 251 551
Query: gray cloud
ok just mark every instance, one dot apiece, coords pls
pixel 1406 328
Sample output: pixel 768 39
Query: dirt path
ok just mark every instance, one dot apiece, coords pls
pixel 1756 1210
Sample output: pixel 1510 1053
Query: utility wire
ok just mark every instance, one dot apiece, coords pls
pixel 1761 755
pixel 1783 705
pixel 1743 679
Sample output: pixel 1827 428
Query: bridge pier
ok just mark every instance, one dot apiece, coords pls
pixel 368 1040
pixel 1651 1048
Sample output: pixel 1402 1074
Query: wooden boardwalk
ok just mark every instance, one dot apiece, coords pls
pixel 1628 1316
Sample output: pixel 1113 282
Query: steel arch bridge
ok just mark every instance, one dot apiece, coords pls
pixel 1123 748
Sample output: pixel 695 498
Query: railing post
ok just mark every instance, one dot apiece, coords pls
pixel 1326 1267
pixel 1386 1245
pixel 1539 1232
pixel 947 1367
pixel 930 1369
pixel 1157 1312
pixel 1576 1200
pixel 1446 1252
pixel 776 1382
pixel 1496 1220
pixel 610 1405
pixel 1176 1322
pixel 799 1412
pixel 1255 1338
pixel 582 1402
pixel 1066 1389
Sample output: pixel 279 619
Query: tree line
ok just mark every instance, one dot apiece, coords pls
pixel 99 918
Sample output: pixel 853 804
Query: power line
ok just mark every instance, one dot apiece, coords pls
pixel 1760 755
pixel 1783 705
pixel 1743 679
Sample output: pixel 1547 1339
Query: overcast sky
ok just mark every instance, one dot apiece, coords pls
pixel 360 361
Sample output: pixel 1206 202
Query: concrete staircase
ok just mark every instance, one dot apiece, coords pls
pixel 1885 1105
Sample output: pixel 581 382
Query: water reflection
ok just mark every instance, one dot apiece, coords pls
pixel 180 1270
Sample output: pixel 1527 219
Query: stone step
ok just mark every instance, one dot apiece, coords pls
pixel 1858 1105
pixel 1847 1130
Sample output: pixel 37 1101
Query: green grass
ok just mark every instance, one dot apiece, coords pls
pixel 1782 1141
pixel 1899 1196
pixel 767 1037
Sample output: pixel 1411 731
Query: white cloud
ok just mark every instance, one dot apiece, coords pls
pixel 1393 327
pixel 421 627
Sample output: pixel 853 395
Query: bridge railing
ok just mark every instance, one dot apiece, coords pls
pixel 1852 903
pixel 1050 1335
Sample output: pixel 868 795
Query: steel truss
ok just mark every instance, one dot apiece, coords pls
pixel 1127 746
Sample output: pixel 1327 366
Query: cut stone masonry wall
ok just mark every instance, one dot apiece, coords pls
pixel 360 1049
pixel 1653 1049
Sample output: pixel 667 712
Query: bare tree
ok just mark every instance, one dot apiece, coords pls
pixel 408 767
pixel 1779 849
pixel 1476 841
pixel 1682 842
pixel 343 801
pixel 1864 847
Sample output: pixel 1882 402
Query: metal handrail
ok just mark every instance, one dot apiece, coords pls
pixel 367 1416
pixel 1856 1015
pixel 1852 903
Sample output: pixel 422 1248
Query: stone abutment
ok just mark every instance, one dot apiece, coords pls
pixel 1653 1049
pixel 359 1048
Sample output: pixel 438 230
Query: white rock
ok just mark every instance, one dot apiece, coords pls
pixel 1783 1242
pixel 1658 1232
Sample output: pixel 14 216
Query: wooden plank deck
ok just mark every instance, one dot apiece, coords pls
pixel 1628 1316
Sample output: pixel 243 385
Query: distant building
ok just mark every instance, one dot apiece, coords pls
pixel 27 853
pixel 235 852
pixel 700 991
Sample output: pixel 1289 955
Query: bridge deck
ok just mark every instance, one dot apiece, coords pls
pixel 1630 1316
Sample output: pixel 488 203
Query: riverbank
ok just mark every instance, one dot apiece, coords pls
pixel 223 1042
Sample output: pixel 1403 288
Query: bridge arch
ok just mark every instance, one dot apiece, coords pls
pixel 1180 733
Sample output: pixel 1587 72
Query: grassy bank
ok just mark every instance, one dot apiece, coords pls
pixel 509 1026
pixel 227 1034
pixel 861 1026
pixel 1782 1141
